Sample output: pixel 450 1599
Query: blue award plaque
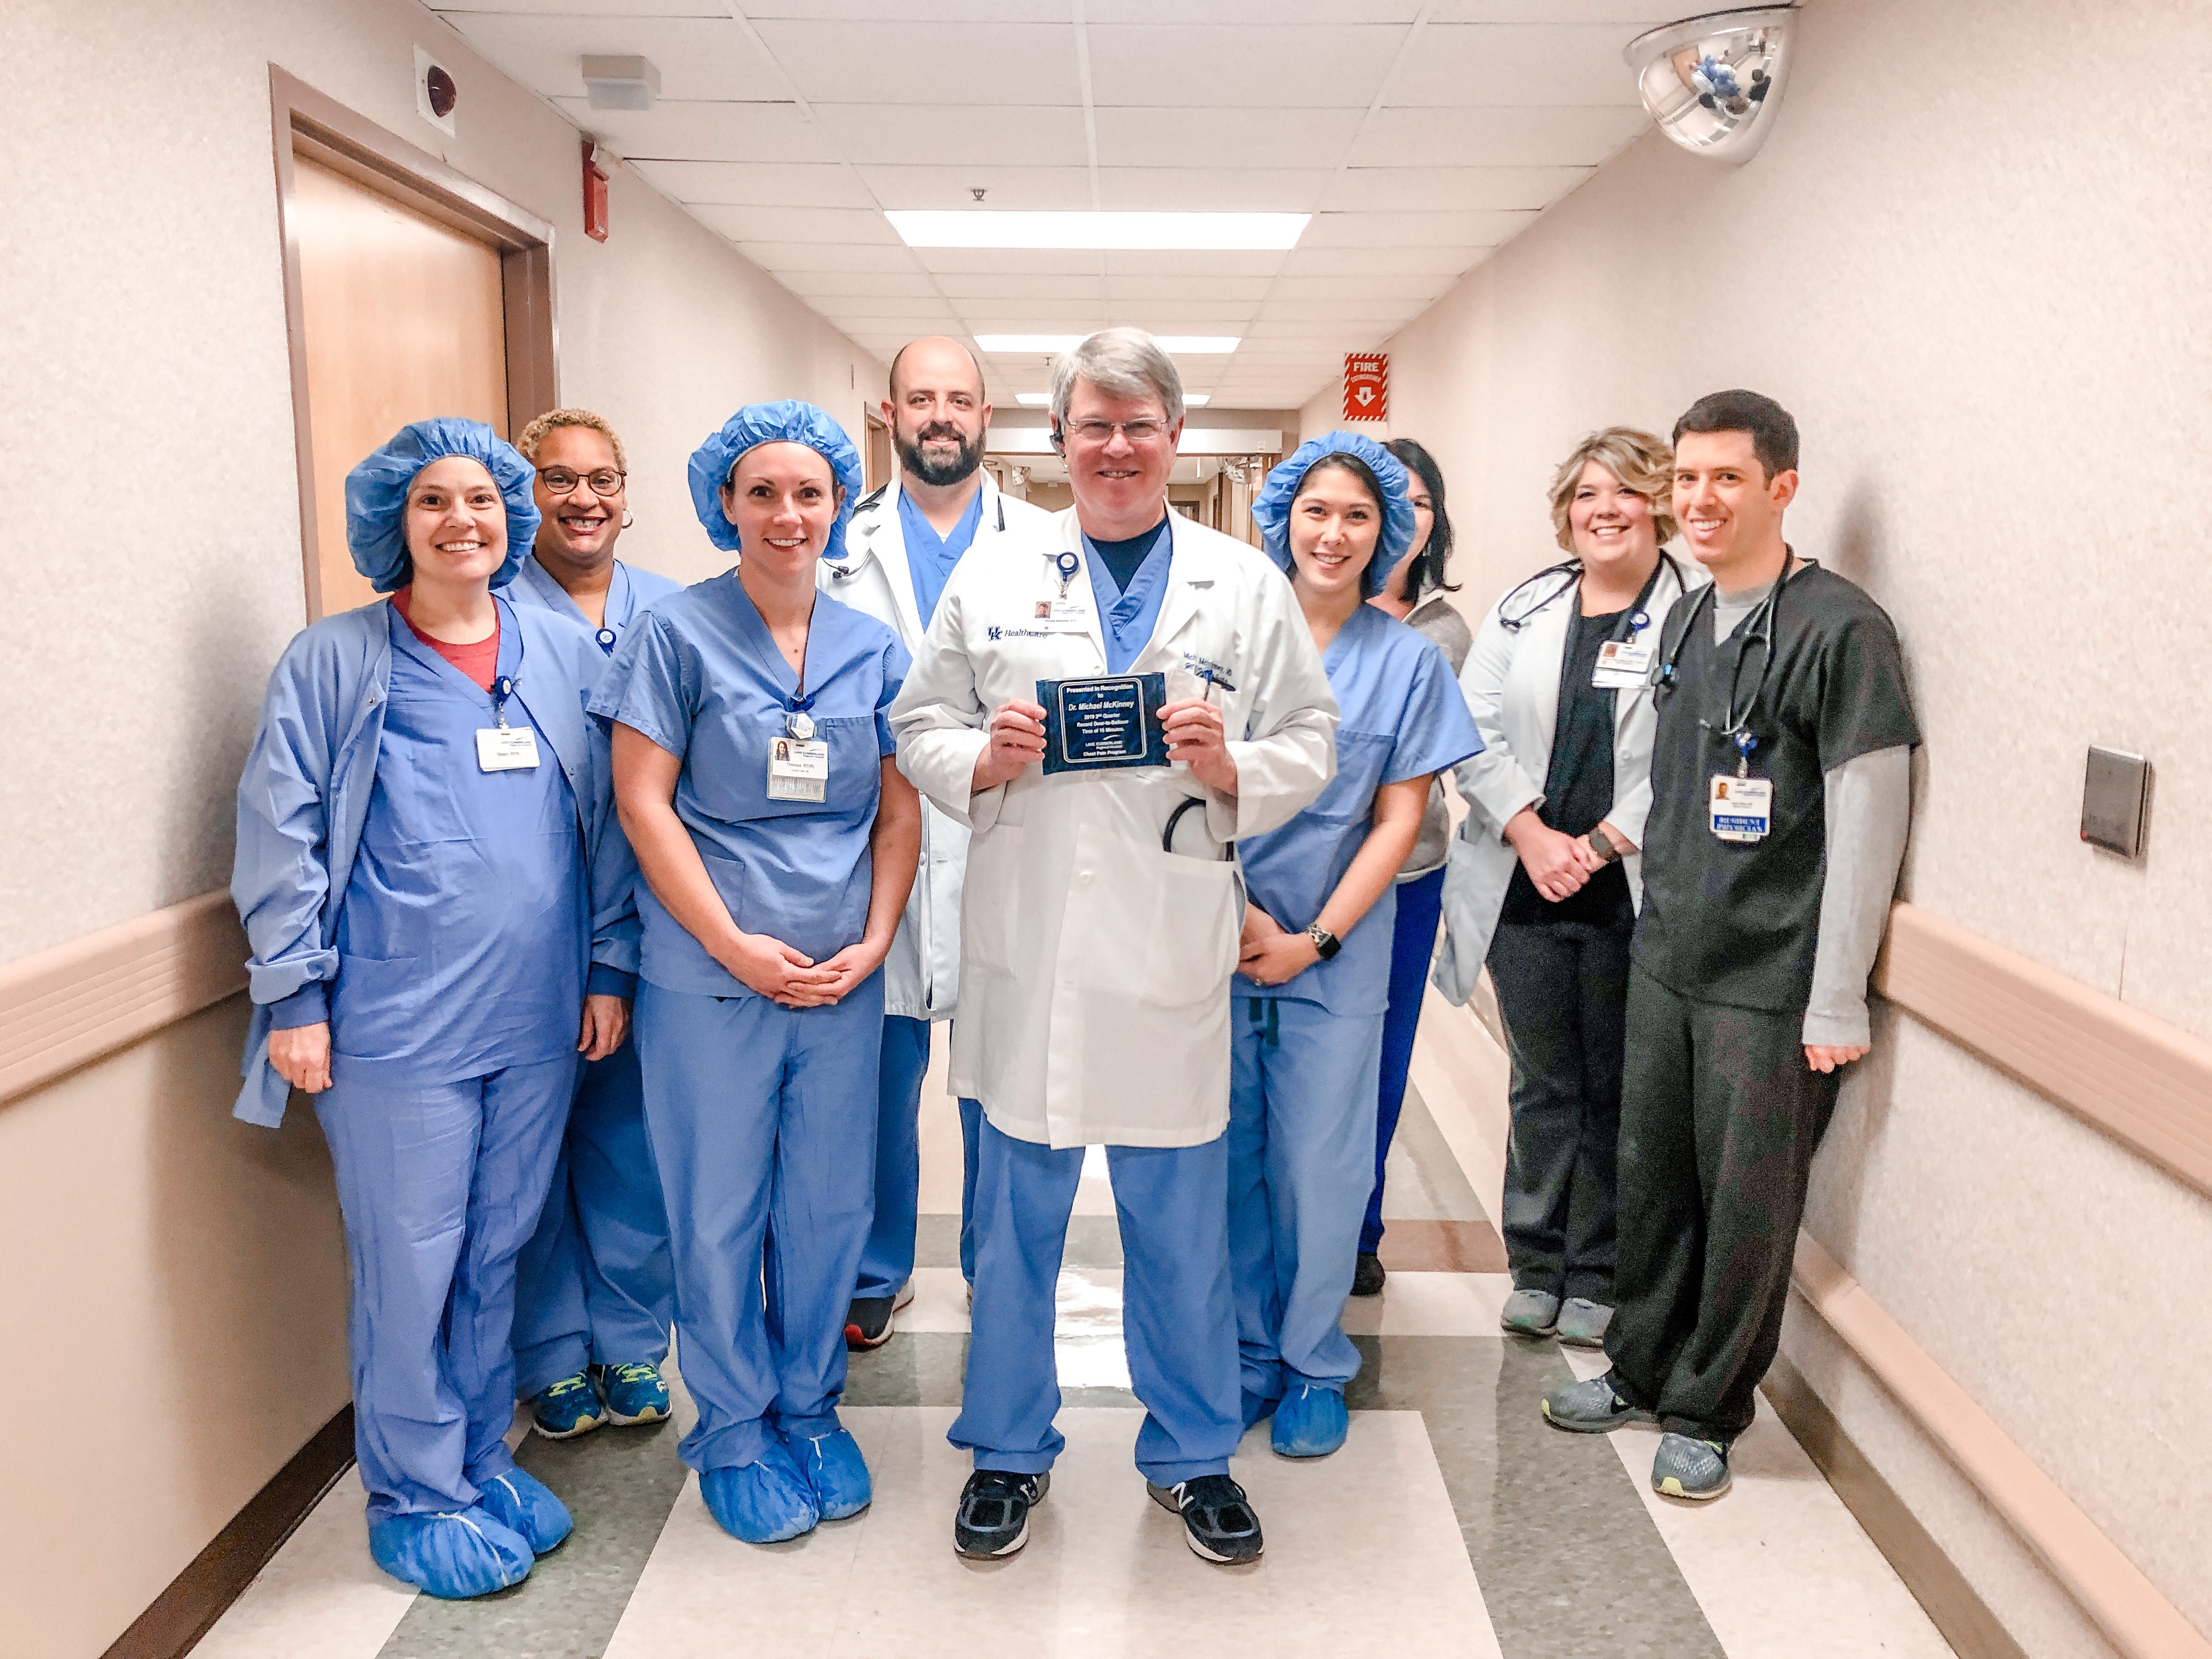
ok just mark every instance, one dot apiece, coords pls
pixel 1096 725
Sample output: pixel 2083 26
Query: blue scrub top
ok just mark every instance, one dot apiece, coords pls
pixel 1127 615
pixel 700 675
pixel 929 557
pixel 456 940
pixel 1402 714
pixel 628 595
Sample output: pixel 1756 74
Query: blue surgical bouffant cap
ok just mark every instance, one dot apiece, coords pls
pixel 789 421
pixel 376 496
pixel 1271 507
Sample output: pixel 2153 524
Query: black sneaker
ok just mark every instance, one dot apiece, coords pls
pixel 1218 1523
pixel 1367 1275
pixel 993 1517
pixel 868 1321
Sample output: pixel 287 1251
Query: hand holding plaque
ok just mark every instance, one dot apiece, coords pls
pixel 1104 723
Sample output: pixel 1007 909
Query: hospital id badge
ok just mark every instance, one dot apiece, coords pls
pixel 798 770
pixel 1622 666
pixel 1064 615
pixel 1741 809
pixel 506 748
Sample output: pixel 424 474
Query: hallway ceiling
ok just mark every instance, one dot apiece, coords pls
pixel 1420 134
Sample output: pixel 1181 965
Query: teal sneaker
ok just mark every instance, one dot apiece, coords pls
pixel 634 1394
pixel 563 1410
pixel 1684 1467
pixel 1591 1408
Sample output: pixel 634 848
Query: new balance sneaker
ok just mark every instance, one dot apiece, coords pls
pixel 993 1519
pixel 1530 1313
pixel 1591 1408
pixel 1217 1520
pixel 634 1393
pixel 1684 1467
pixel 1583 1322
pixel 1367 1275
pixel 563 1410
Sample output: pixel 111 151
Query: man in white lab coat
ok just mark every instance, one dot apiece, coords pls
pixel 1100 924
pixel 902 546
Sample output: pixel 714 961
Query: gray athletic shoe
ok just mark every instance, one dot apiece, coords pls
pixel 1583 1322
pixel 1690 1468
pixel 1591 1408
pixel 1530 1313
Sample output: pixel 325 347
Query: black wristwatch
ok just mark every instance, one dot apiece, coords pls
pixel 1602 846
pixel 1326 944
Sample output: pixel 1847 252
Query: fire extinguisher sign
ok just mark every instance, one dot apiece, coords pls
pixel 1367 385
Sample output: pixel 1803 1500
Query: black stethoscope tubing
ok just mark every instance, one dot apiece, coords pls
pixel 1571 569
pixel 1759 630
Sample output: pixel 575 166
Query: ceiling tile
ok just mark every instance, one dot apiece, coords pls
pixel 1316 332
pixel 1354 261
pixel 1637 15
pixel 703 131
pixel 1010 261
pixel 902 306
pixel 1121 287
pixel 827 284
pixel 1364 309
pixel 920 11
pixel 1553 137
pixel 1396 230
pixel 1061 189
pixel 1261 13
pixel 759 184
pixel 1394 284
pixel 784 224
pixel 1028 285
pixel 931 62
pixel 1298 67
pixel 588 7
pixel 1211 189
pixel 697 57
pixel 980 135
pixel 1158 138
pixel 905 328
pixel 1001 316
pixel 829 256
pixel 1171 262
pixel 1437 189
pixel 1489 65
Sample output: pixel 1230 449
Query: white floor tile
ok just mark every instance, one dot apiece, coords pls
pixel 1365 1556
pixel 321 1597
pixel 1431 1305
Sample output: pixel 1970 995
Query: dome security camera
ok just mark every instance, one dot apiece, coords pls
pixel 1712 82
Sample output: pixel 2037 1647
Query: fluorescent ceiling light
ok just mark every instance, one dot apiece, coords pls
pixel 1049 345
pixel 990 227
pixel 1043 399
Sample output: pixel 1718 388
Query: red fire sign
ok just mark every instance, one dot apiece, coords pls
pixel 1367 385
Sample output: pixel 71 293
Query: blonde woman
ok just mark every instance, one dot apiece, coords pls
pixel 1542 881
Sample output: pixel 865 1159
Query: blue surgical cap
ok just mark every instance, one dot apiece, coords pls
pixel 1271 507
pixel 376 496
pixel 789 421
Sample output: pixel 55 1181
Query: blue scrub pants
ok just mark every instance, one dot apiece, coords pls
pixel 888 1261
pixel 763 1121
pixel 971 1131
pixel 1413 948
pixel 595 1286
pixel 1301 1150
pixel 441 1184
pixel 1179 1321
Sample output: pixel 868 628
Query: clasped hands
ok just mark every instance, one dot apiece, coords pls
pixel 792 979
pixel 1558 865
pixel 1196 737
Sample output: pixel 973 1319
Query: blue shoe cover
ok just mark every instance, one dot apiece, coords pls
pixel 520 1502
pixel 453 1557
pixel 835 1470
pixel 1259 1407
pixel 761 1503
pixel 1311 1422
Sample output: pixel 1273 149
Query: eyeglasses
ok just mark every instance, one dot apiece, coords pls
pixel 1101 432
pixel 562 479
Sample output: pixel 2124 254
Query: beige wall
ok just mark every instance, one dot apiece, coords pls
pixel 1972 261
pixel 179 1278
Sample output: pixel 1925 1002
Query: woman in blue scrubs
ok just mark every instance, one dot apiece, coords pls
pixel 778 842
pixel 1314 973
pixel 439 902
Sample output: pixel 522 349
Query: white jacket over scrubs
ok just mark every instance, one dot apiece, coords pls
pixel 1511 679
pixel 1095 1006
pixel 921 975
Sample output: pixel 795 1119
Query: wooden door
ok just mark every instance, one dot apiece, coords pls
pixel 877 463
pixel 404 320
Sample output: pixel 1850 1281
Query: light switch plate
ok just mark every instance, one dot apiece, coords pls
pixel 2112 796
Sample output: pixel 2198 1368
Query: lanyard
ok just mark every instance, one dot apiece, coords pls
pixel 503 685
pixel 1759 630
pixel 605 636
pixel 1066 564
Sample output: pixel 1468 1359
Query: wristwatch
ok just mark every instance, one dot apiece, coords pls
pixel 1604 848
pixel 1326 944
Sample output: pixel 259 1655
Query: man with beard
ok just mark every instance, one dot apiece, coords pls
pixel 904 541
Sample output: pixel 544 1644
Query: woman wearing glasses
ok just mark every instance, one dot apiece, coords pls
pixel 596 1291
pixel 1543 878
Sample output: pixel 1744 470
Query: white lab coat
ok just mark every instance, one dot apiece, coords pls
pixel 1096 1003
pixel 921 975
pixel 1512 683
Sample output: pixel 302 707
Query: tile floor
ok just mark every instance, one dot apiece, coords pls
pixel 1454 1521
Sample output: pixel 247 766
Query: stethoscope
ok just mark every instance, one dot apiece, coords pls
pixel 1571 571
pixel 845 572
pixel 1759 630
pixel 1214 680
